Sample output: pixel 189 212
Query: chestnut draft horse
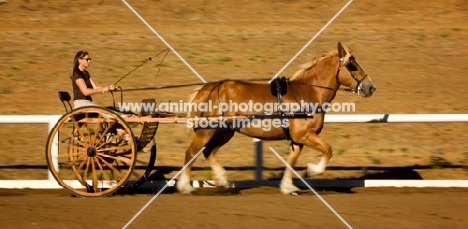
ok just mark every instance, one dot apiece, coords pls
pixel 316 83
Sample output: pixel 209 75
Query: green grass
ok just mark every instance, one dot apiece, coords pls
pixel 251 57
pixel 192 53
pixel 254 56
pixel 375 160
pixel 201 60
pixel 5 90
pixel 221 59
pixel 340 151
pixel 419 33
pixel 164 64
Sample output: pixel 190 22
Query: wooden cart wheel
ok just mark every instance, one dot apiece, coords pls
pixel 96 151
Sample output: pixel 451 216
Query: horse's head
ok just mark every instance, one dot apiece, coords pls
pixel 352 74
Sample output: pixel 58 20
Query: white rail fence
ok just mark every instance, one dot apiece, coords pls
pixel 51 120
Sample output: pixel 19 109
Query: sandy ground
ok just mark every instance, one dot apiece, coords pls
pixel 260 207
pixel 414 51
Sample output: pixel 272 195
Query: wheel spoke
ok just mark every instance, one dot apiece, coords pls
pixel 112 167
pixel 87 128
pixel 103 134
pixel 95 178
pixel 77 127
pixel 125 147
pixel 85 174
pixel 73 138
pixel 113 138
pixel 104 174
pixel 123 159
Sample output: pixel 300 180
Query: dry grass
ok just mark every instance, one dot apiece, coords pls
pixel 416 55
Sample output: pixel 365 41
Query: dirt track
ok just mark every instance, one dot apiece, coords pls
pixel 415 52
pixel 261 207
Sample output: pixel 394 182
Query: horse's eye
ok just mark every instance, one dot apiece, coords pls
pixel 351 67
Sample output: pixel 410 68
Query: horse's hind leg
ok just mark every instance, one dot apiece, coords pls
pixel 198 142
pixel 212 140
pixel 286 185
pixel 221 137
pixel 218 170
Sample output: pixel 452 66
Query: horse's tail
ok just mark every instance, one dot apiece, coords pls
pixel 192 97
pixel 194 93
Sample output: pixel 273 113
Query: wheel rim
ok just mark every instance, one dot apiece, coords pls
pixel 97 151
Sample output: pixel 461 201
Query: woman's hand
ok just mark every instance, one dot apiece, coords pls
pixel 110 88
pixel 114 88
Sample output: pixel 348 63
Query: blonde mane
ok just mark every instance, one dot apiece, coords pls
pixel 311 63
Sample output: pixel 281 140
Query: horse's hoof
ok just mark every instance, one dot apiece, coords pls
pixel 288 189
pixel 224 184
pixel 185 189
pixel 295 193
pixel 313 169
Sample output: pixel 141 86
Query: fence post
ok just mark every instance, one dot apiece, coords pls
pixel 258 145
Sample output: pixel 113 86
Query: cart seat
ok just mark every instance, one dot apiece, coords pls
pixel 65 98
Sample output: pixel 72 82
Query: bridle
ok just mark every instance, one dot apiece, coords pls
pixel 351 66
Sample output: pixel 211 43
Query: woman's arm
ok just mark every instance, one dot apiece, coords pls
pixel 110 88
pixel 90 91
pixel 93 84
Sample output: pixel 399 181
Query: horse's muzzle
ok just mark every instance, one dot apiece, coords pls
pixel 366 89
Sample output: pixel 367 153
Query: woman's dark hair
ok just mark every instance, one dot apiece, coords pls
pixel 79 54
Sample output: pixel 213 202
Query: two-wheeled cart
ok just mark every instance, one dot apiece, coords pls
pixel 93 151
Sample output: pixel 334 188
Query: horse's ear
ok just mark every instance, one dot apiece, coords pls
pixel 350 48
pixel 341 50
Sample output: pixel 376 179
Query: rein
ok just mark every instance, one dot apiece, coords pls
pixel 186 85
pixel 320 86
pixel 315 85
pixel 174 86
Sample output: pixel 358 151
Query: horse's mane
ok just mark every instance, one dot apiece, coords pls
pixel 312 63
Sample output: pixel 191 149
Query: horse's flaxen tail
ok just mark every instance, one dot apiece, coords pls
pixel 194 93
pixel 190 100
pixel 192 97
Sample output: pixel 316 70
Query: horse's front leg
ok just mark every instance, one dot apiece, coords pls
pixel 315 142
pixel 286 185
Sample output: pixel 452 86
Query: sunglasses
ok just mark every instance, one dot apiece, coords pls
pixel 87 59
